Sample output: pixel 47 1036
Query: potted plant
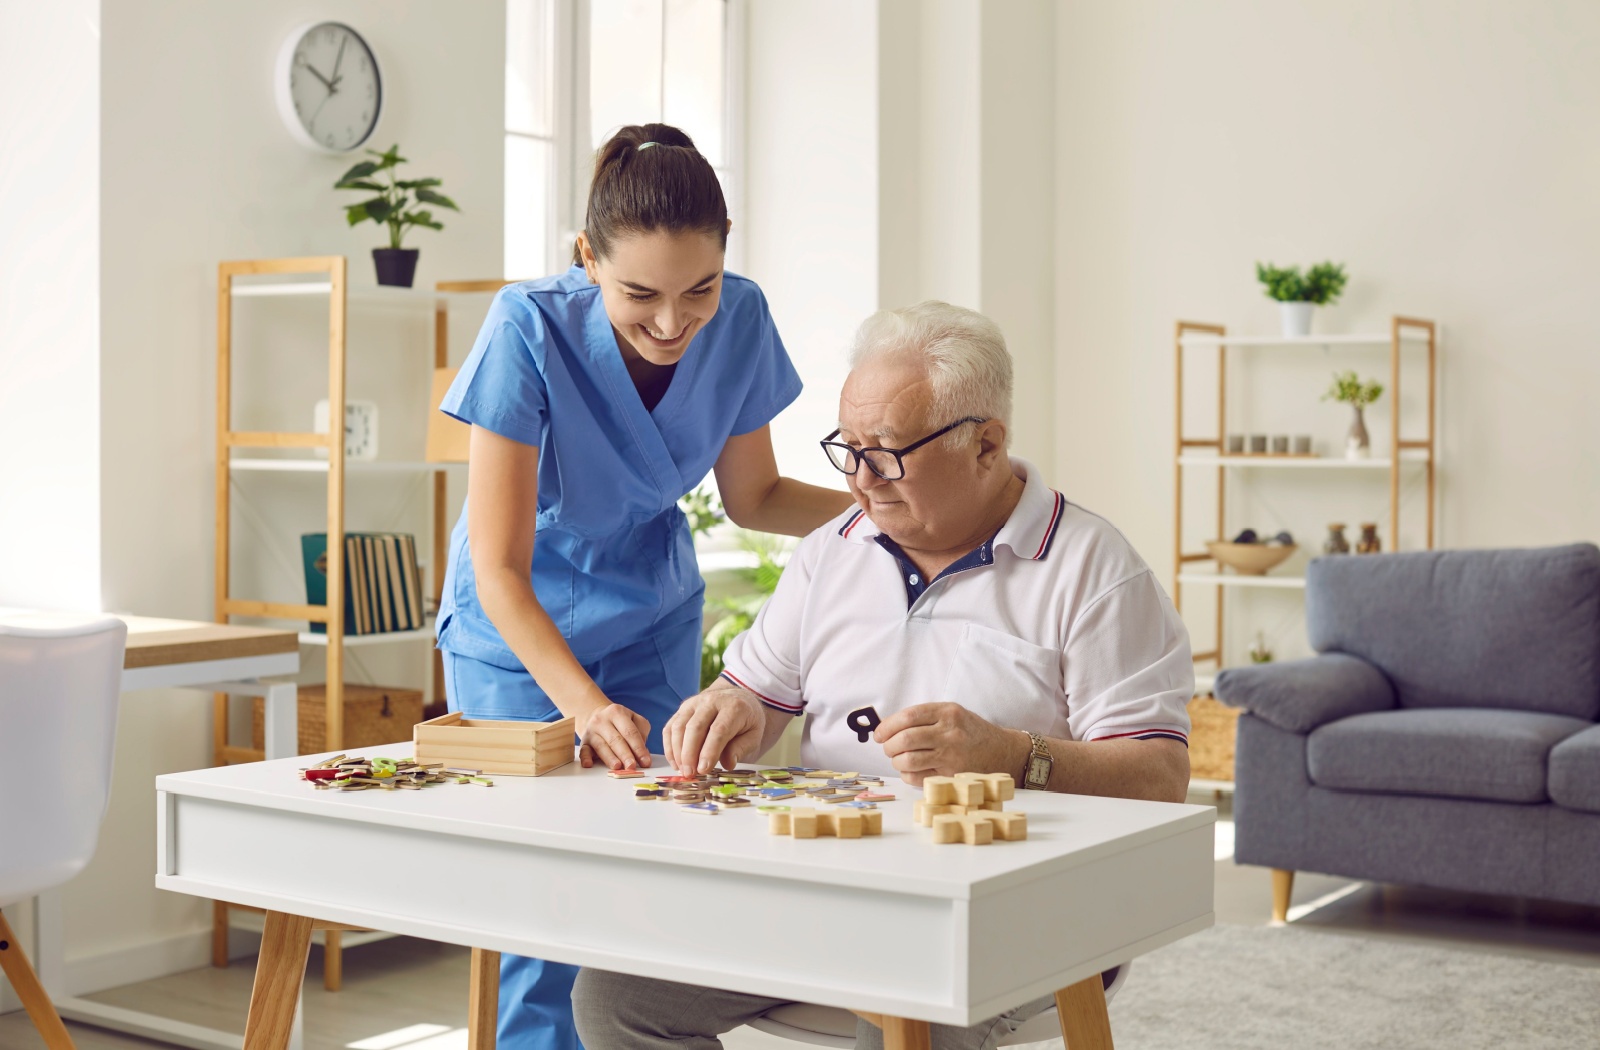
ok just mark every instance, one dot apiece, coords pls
pixel 394 207
pixel 1348 388
pixel 1299 294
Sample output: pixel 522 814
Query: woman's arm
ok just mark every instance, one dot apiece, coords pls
pixel 755 497
pixel 502 503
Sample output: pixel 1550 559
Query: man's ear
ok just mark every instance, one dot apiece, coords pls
pixel 991 444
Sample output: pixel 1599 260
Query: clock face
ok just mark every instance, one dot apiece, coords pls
pixel 329 89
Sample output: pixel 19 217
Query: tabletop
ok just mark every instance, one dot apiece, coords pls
pixel 570 867
pixel 155 642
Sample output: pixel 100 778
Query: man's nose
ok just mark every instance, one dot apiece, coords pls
pixel 866 477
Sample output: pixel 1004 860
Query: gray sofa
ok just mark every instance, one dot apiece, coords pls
pixel 1445 734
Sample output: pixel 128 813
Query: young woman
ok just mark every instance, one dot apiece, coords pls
pixel 598 398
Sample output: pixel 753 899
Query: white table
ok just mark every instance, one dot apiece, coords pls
pixel 570 867
pixel 175 654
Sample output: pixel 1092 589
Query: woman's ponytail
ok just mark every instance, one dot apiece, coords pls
pixel 651 177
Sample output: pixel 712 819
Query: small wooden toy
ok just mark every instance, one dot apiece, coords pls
pixel 997 787
pixel 625 774
pixel 871 796
pixel 706 808
pixel 342 773
pixel 972 829
pixel 650 792
pixel 807 823
pixel 970 808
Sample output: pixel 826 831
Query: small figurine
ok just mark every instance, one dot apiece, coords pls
pixel 1368 543
pixel 1336 543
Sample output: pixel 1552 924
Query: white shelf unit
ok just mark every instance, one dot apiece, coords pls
pixel 1396 455
pixel 354 466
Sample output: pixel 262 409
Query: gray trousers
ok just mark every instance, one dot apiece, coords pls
pixel 617 1012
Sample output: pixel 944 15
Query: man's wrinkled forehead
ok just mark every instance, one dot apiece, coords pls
pixel 885 398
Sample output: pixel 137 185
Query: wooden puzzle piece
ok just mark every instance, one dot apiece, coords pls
pixel 997 787
pixel 806 823
pixel 973 829
pixel 1010 827
pixel 939 791
pixel 625 774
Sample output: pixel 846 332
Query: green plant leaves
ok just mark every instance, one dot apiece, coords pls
pixel 1322 284
pixel 429 197
pixel 350 178
pixel 392 200
pixel 1348 388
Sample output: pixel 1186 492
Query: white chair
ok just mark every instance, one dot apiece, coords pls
pixel 830 1026
pixel 59 681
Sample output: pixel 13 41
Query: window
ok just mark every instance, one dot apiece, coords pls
pixel 576 70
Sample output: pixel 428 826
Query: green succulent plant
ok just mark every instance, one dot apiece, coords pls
pixel 1322 284
pixel 394 205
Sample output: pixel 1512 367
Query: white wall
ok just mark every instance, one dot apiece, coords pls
pixel 1448 151
pixel 197 169
pixel 50 304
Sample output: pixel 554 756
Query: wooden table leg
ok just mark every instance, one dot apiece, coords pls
pixel 901 1034
pixel 1081 1009
pixel 280 971
pixel 35 1000
pixel 483 1010
pixel 332 960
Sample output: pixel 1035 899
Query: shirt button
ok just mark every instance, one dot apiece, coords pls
pixel 914 580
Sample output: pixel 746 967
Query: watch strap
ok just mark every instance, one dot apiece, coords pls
pixel 1039 755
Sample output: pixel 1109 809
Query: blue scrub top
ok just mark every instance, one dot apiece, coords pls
pixel 613 561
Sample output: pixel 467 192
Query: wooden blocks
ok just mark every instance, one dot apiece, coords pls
pixel 807 823
pixel 525 749
pixel 970 808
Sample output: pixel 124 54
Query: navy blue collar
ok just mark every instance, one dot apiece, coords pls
pixel 912 576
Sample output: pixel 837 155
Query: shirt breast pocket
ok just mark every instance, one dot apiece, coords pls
pixel 1010 682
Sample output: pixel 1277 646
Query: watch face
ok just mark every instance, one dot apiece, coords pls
pixel 332 87
pixel 1038 771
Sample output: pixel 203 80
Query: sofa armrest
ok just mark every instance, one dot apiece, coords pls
pixel 1300 695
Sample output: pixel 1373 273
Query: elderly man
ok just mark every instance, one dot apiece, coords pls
pixel 993 626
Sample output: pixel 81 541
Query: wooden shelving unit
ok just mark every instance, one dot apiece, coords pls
pixel 325 276
pixel 1392 457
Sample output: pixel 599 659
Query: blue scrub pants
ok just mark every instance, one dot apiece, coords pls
pixel 650 677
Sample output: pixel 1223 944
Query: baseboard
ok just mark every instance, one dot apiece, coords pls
pixel 87 974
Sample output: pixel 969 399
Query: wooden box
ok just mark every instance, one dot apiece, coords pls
pixel 1212 727
pixel 373 714
pixel 522 749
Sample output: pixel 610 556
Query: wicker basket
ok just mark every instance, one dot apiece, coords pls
pixel 373 714
pixel 1211 734
pixel 525 749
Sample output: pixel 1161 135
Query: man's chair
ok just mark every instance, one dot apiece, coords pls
pixel 58 718
pixel 830 1026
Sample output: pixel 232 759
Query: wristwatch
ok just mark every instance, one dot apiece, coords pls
pixel 1040 762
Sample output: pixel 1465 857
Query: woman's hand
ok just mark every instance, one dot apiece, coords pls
pixel 614 735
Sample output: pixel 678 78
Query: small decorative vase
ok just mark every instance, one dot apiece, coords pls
pixel 1358 444
pixel 1336 543
pixel 396 266
pixel 1368 543
pixel 1296 319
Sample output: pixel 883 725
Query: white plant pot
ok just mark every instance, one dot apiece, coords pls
pixel 1296 318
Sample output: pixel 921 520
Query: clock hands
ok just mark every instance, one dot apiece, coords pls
pixel 336 60
pixel 329 84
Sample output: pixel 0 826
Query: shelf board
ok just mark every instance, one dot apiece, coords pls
pixel 354 293
pixel 381 638
pixel 352 466
pixel 1408 456
pixel 1345 339
pixel 1236 580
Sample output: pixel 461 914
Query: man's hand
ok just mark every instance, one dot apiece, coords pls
pixel 944 739
pixel 723 723
pixel 616 736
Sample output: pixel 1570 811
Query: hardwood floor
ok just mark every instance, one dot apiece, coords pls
pixel 392 987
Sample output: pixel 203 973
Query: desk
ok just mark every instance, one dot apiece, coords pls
pixel 174 654
pixel 894 925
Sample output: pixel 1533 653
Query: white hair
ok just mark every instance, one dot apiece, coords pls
pixel 965 354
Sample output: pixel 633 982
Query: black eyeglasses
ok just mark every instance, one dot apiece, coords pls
pixel 887 463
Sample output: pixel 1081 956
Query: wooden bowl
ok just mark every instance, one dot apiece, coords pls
pixel 1251 559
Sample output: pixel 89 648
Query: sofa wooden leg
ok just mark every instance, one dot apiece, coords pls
pixel 41 1011
pixel 1282 887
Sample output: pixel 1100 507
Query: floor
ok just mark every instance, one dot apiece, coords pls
pixel 411 995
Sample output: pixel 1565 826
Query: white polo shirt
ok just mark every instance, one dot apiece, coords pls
pixel 1055 625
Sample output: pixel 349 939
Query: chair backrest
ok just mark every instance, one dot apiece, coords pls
pixel 1514 629
pixel 59 682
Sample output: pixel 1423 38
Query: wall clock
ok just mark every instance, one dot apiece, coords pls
pixel 360 428
pixel 329 90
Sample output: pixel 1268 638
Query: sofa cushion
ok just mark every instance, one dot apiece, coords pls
pixel 1455 753
pixel 1517 629
pixel 1575 771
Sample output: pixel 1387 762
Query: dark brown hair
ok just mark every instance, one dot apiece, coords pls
pixel 667 186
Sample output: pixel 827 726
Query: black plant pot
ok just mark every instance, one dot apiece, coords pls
pixel 396 266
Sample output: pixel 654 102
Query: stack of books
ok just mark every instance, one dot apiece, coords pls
pixel 382 583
